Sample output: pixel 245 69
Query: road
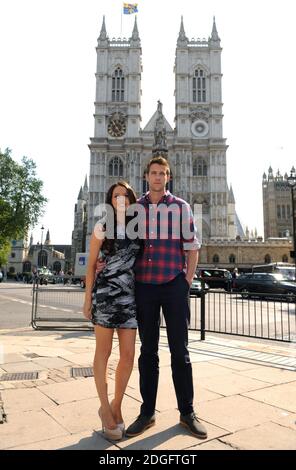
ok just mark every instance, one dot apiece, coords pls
pixel 225 313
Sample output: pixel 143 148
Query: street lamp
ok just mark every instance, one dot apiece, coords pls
pixel 41 254
pixel 292 183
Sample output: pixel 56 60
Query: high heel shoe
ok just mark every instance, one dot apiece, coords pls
pixel 112 434
pixel 120 425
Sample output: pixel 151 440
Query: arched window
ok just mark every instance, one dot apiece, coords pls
pixel 42 258
pixel 267 259
pixel 232 259
pixel 285 259
pixel 118 85
pixel 200 167
pixel 283 212
pixel 57 266
pixel 116 167
pixel 215 259
pixel 27 267
pixel 199 86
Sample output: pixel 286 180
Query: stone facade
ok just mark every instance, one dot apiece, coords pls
pixel 245 253
pixel 195 148
pixel 80 223
pixel 26 255
pixel 277 205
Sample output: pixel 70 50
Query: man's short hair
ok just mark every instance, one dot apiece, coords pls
pixel 160 161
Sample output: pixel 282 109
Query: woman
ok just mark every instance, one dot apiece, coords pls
pixel 110 304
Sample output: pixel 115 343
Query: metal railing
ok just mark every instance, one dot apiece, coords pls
pixel 58 308
pixel 239 314
pixel 260 315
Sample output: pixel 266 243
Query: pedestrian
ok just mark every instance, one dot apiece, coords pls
pixel 162 283
pixel 110 305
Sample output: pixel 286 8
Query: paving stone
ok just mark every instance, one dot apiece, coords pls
pixel 44 351
pixel 238 412
pixel 231 384
pixel 200 370
pixel 81 441
pixel 211 445
pixel 271 375
pixel 12 358
pixel 282 396
pixel 167 434
pixel 234 364
pixel 77 416
pixel 52 362
pixel 288 420
pixel 80 359
pixel 267 436
pixel 70 391
pixel 27 366
pixel 27 427
pixel 24 399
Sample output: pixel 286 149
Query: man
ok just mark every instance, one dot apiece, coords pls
pixel 162 283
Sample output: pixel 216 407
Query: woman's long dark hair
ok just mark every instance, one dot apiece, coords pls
pixel 108 244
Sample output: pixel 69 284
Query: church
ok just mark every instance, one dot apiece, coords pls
pixel 195 147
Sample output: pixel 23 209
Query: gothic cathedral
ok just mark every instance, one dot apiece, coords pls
pixel 195 148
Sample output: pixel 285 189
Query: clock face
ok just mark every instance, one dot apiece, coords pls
pixel 199 128
pixel 116 126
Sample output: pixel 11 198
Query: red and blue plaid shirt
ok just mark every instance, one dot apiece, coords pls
pixel 163 257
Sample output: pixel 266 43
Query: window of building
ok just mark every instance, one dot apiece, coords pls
pixel 232 259
pixel 42 258
pixel 144 184
pixel 118 85
pixel 288 212
pixel 116 167
pixel 267 259
pixel 27 267
pixel 200 167
pixel 285 259
pixel 57 267
pixel 283 212
pixel 279 212
pixel 12 255
pixel 215 259
pixel 199 86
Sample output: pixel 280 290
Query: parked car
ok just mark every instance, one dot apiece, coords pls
pixel 216 278
pixel 196 287
pixel 249 284
pixel 46 276
pixel 1 276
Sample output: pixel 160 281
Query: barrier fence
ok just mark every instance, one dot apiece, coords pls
pixel 272 318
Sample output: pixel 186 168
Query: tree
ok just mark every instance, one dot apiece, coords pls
pixel 21 199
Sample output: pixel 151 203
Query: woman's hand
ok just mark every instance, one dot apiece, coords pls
pixel 87 306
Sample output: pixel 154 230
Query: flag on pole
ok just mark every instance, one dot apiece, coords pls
pixel 130 8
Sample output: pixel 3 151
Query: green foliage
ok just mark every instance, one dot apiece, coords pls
pixel 21 199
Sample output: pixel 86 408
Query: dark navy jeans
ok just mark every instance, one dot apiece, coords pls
pixel 174 300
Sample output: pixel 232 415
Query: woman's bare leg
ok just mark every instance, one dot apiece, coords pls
pixel 127 339
pixel 104 337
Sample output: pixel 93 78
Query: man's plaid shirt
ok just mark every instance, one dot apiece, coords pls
pixel 163 256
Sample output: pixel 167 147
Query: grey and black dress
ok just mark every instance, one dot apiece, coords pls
pixel 113 294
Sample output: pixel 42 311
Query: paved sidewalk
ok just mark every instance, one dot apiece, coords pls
pixel 245 393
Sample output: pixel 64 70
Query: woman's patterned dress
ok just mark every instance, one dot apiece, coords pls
pixel 113 294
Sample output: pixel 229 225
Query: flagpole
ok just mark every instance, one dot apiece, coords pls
pixel 121 22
